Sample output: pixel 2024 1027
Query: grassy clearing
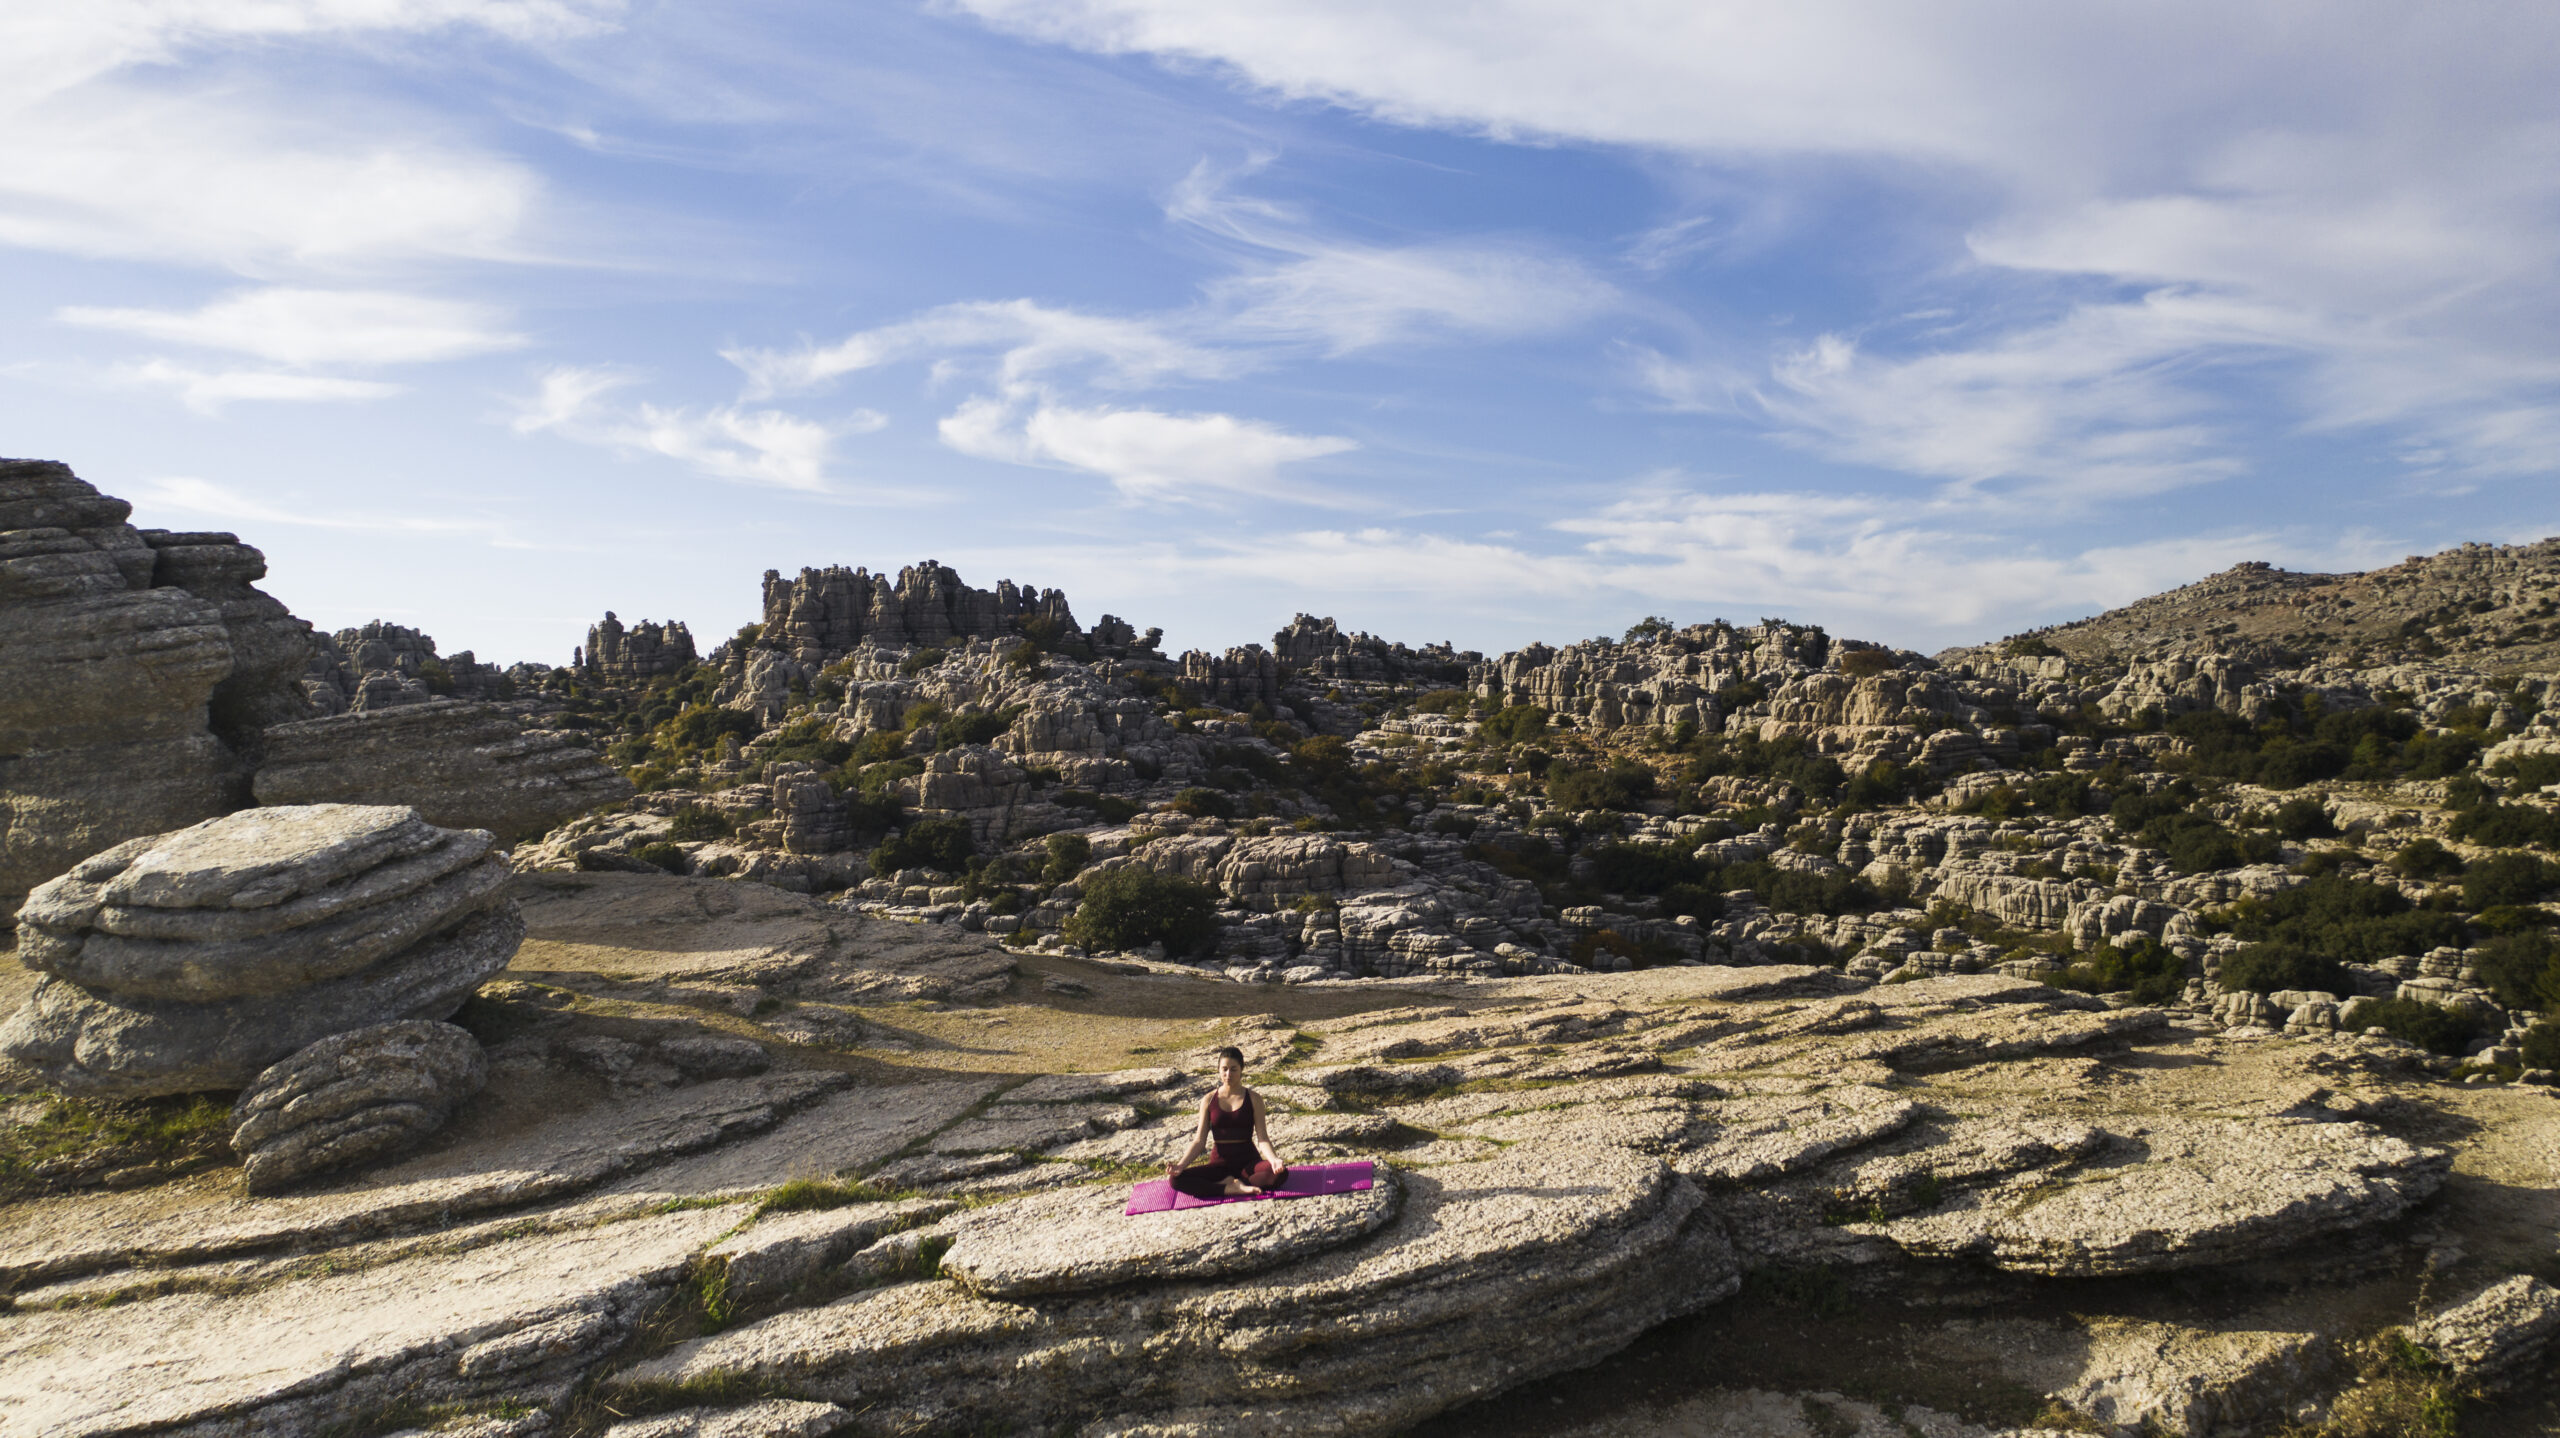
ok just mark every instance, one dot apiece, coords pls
pixel 80 1143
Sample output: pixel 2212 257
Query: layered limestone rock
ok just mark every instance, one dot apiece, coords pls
pixel 1599 1242
pixel 352 1098
pixel 383 666
pixel 105 679
pixel 634 655
pixel 194 960
pixel 826 613
pixel 459 764
pixel 270 649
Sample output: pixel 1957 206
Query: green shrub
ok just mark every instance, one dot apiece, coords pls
pixel 944 844
pixel 1867 663
pixel 2265 968
pixel 1643 868
pixel 2542 1046
pixel 693 823
pixel 2506 879
pixel 2028 646
pixel 1068 854
pixel 663 854
pixel 1652 626
pixel 979 726
pixel 2426 859
pixel 2142 968
pixel 1789 760
pixel 1203 804
pixel 2523 970
pixel 1796 892
pixel 2433 1027
pixel 1623 785
pixel 2304 818
pixel 1514 724
pixel 2508 826
pixel 2529 771
pixel 1322 759
pixel 1444 701
pixel 1132 907
pixel 920 661
pixel 2347 918
pixel 1109 808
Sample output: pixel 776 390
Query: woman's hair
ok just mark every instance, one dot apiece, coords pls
pixel 1232 1052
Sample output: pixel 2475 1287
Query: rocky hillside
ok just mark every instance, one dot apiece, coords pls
pixel 2491 606
pixel 2156 1017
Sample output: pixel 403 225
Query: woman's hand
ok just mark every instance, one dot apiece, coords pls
pixel 1279 1170
pixel 1172 1171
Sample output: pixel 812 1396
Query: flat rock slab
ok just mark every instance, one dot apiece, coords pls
pixel 1079 1088
pixel 1079 1240
pixel 298 1356
pixel 780 1249
pixel 2184 1193
pixel 773 1418
pixel 1490 1274
pixel 2141 1376
pixel 1757 1413
pixel 1036 1126
pixel 205 1219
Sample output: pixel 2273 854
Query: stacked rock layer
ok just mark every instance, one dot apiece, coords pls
pixel 114 643
pixel 461 764
pixel 191 961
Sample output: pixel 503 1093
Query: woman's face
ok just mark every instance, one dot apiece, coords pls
pixel 1231 1073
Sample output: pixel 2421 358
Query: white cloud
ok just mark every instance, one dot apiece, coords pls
pixel 2381 184
pixel 49 47
pixel 307 327
pixel 750 446
pixel 1033 340
pixel 1145 453
pixel 1294 284
pixel 113 142
pixel 208 391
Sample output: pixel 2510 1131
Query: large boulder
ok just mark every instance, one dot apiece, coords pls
pixel 191 961
pixel 351 1098
pixel 459 764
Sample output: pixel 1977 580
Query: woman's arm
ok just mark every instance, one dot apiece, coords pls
pixel 1262 1138
pixel 1199 1141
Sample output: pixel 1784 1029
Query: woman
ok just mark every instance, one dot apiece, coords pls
pixel 1231 1117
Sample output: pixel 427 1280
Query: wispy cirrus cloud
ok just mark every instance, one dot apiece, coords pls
pixel 299 326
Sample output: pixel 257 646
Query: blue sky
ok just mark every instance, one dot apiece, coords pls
pixel 1492 323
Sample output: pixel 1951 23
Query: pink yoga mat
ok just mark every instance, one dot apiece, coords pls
pixel 1305 1181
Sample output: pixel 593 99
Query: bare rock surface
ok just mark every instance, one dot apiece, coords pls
pixel 2494 1337
pixel 1600 1242
pixel 510 1317
pixel 2181 1193
pixel 463 765
pixel 773 1418
pixel 1079 1241
pixel 351 1098
pixel 778 1250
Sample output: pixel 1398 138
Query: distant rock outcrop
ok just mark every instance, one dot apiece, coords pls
pixel 644 651
pixel 191 961
pixel 467 765
pixel 825 613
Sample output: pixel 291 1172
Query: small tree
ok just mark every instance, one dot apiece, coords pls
pixel 1132 907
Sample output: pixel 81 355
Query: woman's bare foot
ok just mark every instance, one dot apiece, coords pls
pixel 1237 1189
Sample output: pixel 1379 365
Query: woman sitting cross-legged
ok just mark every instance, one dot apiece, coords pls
pixel 1231 1118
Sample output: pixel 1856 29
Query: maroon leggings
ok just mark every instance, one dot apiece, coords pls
pixel 1209 1180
